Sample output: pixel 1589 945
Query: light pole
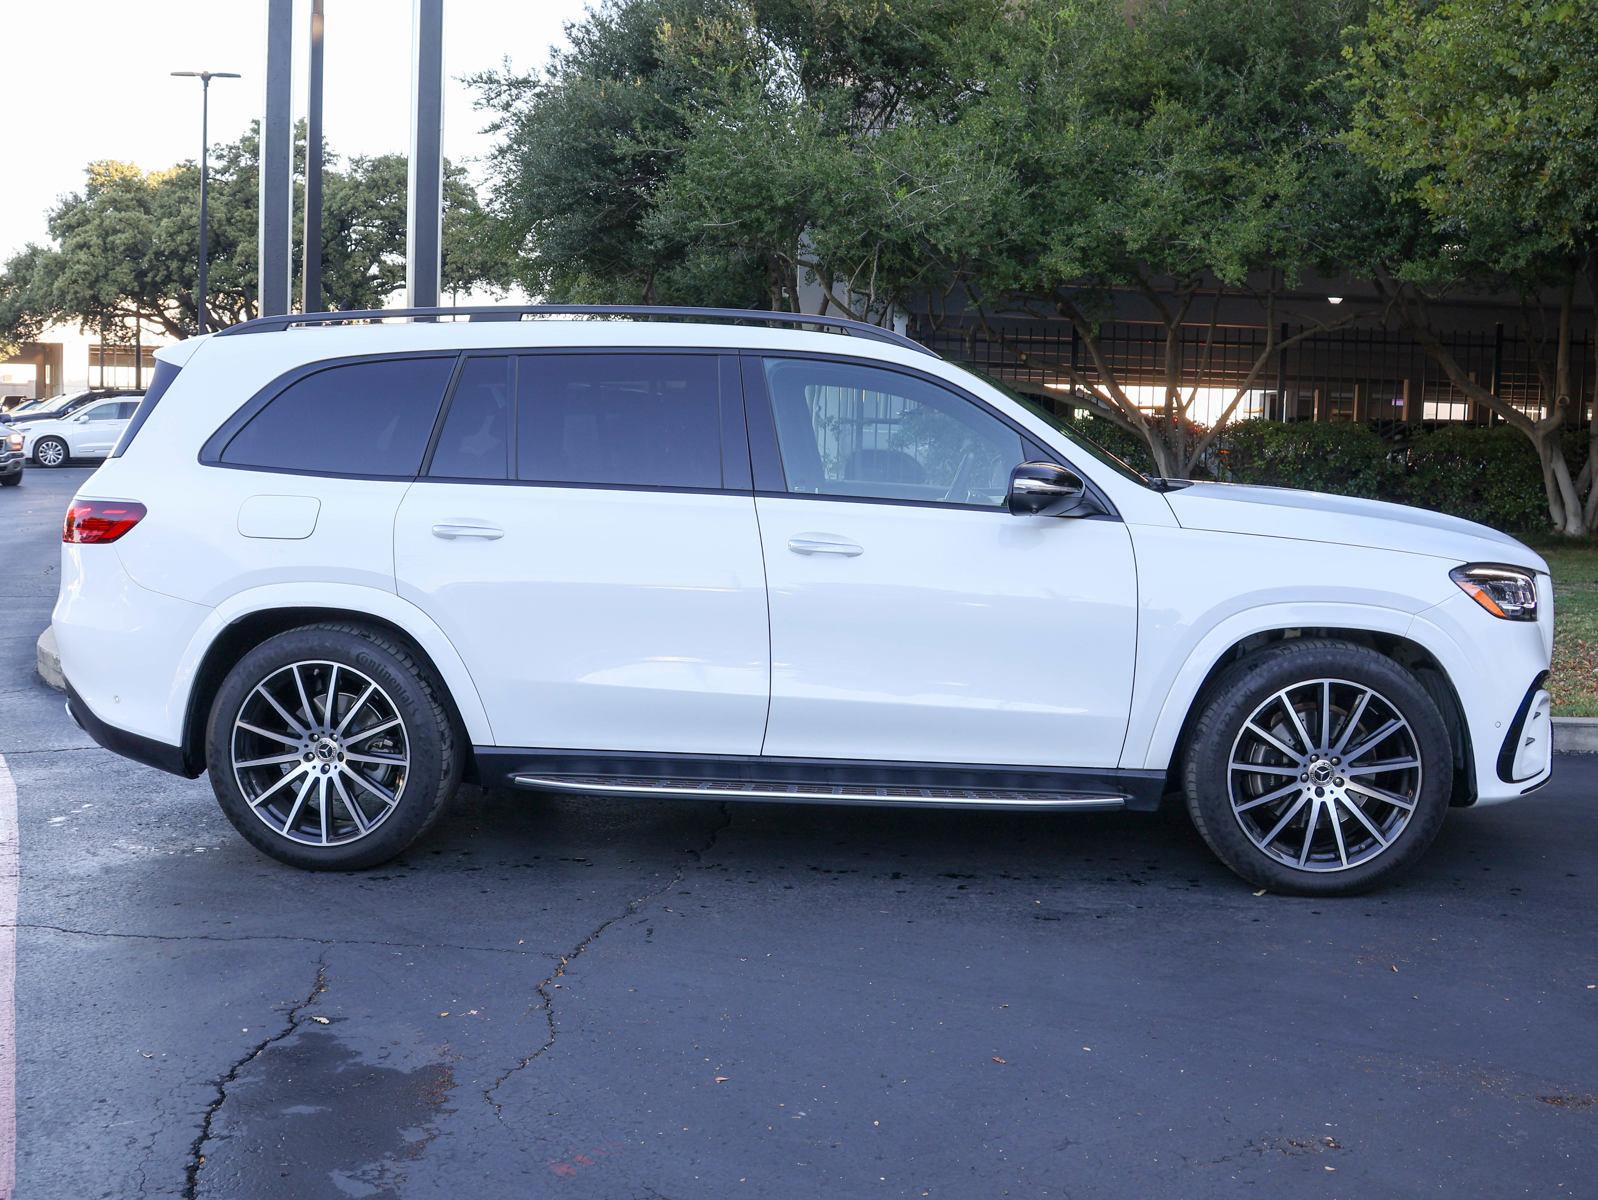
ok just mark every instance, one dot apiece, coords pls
pixel 205 78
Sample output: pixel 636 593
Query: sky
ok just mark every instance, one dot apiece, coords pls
pixel 89 79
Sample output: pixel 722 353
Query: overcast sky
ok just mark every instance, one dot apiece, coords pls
pixel 88 79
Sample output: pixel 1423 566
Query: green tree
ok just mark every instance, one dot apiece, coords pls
pixel 127 245
pixel 1001 154
pixel 1170 153
pixel 1480 116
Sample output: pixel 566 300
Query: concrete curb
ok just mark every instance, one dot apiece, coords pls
pixel 1576 735
pixel 49 662
pixel 1572 735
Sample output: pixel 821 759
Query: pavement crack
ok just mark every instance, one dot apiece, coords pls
pixel 196 1160
pixel 545 986
pixel 268 937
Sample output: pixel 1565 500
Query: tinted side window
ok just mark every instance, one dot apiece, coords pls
pixel 364 418
pixel 850 430
pixel 475 440
pixel 649 420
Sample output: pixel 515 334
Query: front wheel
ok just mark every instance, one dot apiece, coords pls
pixel 50 452
pixel 329 749
pixel 1318 767
pixel 11 480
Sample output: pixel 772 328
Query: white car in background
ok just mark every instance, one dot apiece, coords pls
pixel 91 432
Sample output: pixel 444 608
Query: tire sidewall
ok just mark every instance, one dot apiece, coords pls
pixel 1241 690
pixel 429 773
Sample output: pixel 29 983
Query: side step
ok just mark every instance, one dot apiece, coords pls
pixel 820 793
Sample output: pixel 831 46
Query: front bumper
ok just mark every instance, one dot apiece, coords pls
pixel 1498 669
pixel 11 464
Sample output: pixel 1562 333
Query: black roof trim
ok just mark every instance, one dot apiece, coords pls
pixel 504 312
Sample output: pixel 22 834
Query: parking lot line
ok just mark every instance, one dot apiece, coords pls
pixel 8 981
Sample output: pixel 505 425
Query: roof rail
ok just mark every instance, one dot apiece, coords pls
pixel 511 312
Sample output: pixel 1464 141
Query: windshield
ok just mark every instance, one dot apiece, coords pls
pixel 1079 439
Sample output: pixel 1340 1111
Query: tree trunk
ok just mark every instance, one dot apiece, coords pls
pixel 1565 511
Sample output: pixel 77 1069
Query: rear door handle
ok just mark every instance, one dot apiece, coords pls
pixel 451 530
pixel 823 543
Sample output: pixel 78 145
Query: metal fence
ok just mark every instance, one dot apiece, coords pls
pixel 1373 375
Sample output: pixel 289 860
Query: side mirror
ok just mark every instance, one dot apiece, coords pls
pixel 1045 489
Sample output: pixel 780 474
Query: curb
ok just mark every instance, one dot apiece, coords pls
pixel 49 662
pixel 1572 735
pixel 1576 735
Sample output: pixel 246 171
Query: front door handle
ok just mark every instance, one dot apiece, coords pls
pixel 451 530
pixel 823 543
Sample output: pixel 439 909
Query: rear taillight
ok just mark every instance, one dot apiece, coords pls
pixel 95 522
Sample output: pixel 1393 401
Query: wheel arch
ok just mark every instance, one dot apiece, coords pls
pixel 243 623
pixel 1180 710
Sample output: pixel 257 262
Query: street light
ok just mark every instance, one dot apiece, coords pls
pixel 205 78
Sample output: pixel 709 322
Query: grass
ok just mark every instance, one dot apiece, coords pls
pixel 1574 683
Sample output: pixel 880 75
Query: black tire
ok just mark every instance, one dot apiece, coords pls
pixel 1299 668
pixel 56 443
pixel 432 745
pixel 11 480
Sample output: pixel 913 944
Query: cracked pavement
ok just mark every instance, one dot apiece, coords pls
pixel 602 998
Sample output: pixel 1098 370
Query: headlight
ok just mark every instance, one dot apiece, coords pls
pixel 1506 592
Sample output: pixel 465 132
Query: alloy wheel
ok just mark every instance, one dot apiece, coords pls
pixel 51 453
pixel 1324 775
pixel 320 753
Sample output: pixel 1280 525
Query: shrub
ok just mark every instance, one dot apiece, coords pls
pixel 1336 456
pixel 1487 475
pixel 1129 447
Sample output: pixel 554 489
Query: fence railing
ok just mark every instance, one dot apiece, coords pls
pixel 1379 376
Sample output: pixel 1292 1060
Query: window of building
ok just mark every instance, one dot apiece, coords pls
pixel 361 418
pixel 639 420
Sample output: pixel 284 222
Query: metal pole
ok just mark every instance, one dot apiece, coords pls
pixel 201 295
pixel 311 299
pixel 425 208
pixel 200 305
pixel 275 267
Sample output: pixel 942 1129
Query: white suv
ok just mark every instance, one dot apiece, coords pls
pixel 343 563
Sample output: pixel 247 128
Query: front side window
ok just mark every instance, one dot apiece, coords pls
pixel 362 418
pixel 628 420
pixel 850 430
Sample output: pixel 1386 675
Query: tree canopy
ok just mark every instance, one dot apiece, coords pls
pixel 127 244
pixel 1482 117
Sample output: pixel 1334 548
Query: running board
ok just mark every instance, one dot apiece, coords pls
pixel 820 793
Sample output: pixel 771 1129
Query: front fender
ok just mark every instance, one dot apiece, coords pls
pixel 1161 702
pixel 358 601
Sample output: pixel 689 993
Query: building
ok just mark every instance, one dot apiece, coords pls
pixel 68 359
pixel 1367 370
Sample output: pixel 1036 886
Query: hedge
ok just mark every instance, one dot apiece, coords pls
pixel 1490 475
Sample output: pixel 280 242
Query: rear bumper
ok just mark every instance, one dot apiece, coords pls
pixel 129 745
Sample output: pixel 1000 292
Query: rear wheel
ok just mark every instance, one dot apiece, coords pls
pixel 328 748
pixel 1318 767
pixel 50 452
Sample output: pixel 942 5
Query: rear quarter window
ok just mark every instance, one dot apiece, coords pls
pixel 368 418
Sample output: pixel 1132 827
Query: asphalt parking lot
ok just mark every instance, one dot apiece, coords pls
pixel 599 998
